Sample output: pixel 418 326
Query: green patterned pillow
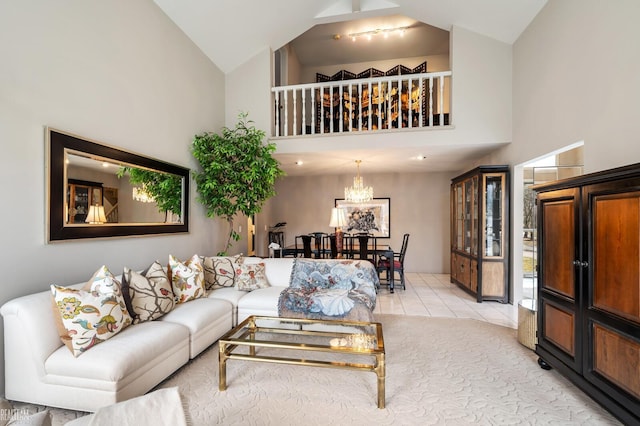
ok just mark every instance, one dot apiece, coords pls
pixel 252 277
pixel 221 271
pixel 92 314
pixel 187 279
pixel 148 294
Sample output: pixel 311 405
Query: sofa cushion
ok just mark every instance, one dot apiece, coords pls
pixel 148 295
pixel 231 295
pixel 121 360
pixel 263 301
pixel 206 319
pixel 221 271
pixel 252 277
pixel 187 278
pixel 88 316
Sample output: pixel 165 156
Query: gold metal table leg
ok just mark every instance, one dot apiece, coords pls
pixel 381 373
pixel 222 367
pixel 252 335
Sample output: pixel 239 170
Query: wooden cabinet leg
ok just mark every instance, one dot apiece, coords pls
pixel 543 364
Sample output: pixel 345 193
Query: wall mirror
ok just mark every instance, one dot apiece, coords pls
pixel 98 191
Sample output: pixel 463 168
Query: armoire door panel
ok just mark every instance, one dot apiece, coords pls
pixel 559 328
pixel 617 358
pixel 559 252
pixel 616 254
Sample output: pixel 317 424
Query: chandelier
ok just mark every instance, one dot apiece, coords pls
pixel 358 193
pixel 142 194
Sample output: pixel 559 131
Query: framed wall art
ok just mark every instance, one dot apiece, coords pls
pixel 371 216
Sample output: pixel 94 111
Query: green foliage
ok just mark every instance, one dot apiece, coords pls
pixel 165 188
pixel 237 174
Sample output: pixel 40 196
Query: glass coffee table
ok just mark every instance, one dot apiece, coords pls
pixel 353 345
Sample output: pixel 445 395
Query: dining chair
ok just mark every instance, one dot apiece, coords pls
pixel 319 248
pixel 366 247
pixel 333 246
pixel 384 265
pixel 347 245
pixel 303 245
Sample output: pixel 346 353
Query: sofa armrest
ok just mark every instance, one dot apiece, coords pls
pixel 30 333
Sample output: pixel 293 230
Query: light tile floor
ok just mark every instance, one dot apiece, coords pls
pixel 433 295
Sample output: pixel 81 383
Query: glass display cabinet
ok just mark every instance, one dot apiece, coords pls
pixel 480 232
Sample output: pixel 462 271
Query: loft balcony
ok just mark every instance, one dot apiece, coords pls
pixel 358 105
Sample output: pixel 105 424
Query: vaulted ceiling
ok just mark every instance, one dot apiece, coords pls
pixel 230 32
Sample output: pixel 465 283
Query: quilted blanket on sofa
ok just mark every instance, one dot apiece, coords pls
pixel 330 289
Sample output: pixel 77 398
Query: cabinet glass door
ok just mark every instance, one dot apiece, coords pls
pixel 474 217
pixel 459 217
pixel 468 197
pixel 493 210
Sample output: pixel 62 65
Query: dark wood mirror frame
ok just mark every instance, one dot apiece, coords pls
pixel 57 143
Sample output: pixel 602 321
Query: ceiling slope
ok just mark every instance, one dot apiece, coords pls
pixel 230 32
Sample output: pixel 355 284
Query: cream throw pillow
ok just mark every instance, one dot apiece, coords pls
pixel 221 271
pixel 148 294
pixel 91 315
pixel 187 279
pixel 252 277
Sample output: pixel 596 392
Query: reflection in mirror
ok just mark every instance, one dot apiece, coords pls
pixel 99 191
pixel 161 190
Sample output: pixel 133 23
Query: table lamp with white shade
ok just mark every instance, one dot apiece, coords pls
pixel 96 215
pixel 338 220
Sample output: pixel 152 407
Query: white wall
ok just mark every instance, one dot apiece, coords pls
pixel 419 204
pixel 576 73
pixel 481 86
pixel 118 72
pixel 248 89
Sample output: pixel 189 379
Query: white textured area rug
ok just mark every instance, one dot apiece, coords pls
pixel 439 372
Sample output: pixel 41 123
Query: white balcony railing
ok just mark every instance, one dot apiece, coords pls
pixel 371 104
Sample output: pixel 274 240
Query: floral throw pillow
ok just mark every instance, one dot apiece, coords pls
pixel 92 314
pixel 148 294
pixel 221 271
pixel 187 279
pixel 252 277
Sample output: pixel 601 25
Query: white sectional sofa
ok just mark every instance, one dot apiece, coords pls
pixel 40 369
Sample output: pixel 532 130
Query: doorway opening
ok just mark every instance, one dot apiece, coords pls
pixel 251 235
pixel 561 164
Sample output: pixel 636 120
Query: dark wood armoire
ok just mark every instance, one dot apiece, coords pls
pixel 589 285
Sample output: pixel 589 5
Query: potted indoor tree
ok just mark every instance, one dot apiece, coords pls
pixel 238 172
